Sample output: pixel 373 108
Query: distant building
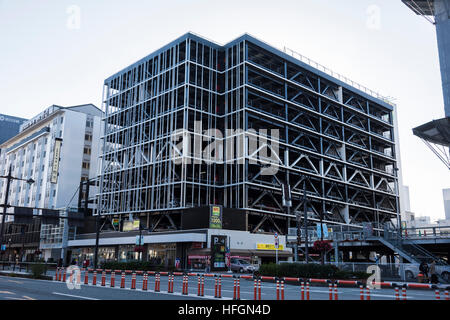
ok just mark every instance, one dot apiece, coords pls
pixel 74 133
pixel 446 194
pixel 9 126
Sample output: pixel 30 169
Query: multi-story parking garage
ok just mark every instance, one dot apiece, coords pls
pixel 196 124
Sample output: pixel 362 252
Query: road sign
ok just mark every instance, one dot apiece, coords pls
pixel 276 235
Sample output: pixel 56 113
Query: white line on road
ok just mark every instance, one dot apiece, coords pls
pixel 73 296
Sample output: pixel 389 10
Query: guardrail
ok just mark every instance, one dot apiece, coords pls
pixel 24 266
pixel 98 278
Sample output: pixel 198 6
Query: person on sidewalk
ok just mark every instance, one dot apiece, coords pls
pixel 424 269
pixel 433 275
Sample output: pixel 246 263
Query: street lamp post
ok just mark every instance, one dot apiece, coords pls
pixel 8 178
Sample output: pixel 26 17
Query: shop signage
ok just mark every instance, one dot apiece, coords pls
pixel 218 252
pixel 215 217
pixel 131 225
pixel 55 165
pixel 115 222
pixel 268 246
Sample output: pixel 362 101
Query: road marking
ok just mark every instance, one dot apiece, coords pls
pixel 13 298
pixel 15 281
pixel 7 292
pixel 28 298
pixel 73 296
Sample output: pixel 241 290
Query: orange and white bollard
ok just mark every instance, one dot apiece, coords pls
pixel 60 274
pixel 64 275
pixel 361 292
pixel 185 284
pixel 133 280
pixel 234 288
pixel 336 297
pixel 157 282
pixel 255 289
pixel 278 289
pixel 199 285
pixel 303 290
pixel 404 292
pixel 282 289
pixel 307 290
pixel 367 293
pixel 203 286
pixel 94 278
pixel 238 288
pixel 170 283
pixel 220 286
pixel 145 282
pixel 103 278
pixel 330 291
pixel 122 280
pixel 438 294
pixel 446 295
pixel 259 289
pixel 56 273
pixel 397 296
pixel 113 279
pixel 86 276
pixel 216 287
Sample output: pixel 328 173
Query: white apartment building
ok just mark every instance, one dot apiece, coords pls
pixel 74 133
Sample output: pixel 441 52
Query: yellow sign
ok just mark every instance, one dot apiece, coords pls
pixel 267 246
pixel 131 225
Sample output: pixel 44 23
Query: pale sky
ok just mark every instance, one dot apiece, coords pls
pixel 59 52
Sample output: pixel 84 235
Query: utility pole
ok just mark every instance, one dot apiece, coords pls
pixel 305 212
pixel 8 178
pixel 5 205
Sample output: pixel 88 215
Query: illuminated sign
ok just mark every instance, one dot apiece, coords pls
pixel 131 225
pixel 55 165
pixel 268 246
pixel 215 217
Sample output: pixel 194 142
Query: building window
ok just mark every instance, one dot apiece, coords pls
pixel 85 165
pixel 87 150
pixel 88 137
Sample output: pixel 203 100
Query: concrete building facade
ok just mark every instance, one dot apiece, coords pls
pixel 57 148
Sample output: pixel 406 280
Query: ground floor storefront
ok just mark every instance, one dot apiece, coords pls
pixel 206 249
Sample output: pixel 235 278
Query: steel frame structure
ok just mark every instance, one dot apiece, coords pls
pixel 335 138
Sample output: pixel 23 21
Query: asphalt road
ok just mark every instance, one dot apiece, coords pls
pixel 30 289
